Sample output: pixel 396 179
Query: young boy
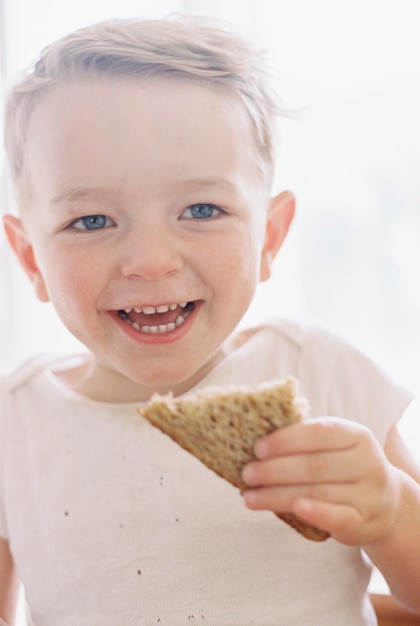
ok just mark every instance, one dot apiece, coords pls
pixel 142 157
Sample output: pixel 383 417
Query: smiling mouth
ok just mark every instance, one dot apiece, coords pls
pixel 161 319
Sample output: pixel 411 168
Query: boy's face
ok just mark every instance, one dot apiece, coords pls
pixel 145 195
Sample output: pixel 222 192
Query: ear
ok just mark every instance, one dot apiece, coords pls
pixel 22 246
pixel 280 216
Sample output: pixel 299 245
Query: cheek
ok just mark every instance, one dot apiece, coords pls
pixel 239 265
pixel 247 255
pixel 70 280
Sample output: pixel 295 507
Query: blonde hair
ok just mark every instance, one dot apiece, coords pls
pixel 189 47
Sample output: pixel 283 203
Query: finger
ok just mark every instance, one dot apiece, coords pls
pixel 324 433
pixel 340 509
pixel 280 499
pixel 316 467
pixel 342 521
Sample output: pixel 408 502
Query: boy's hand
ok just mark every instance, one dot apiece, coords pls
pixel 330 472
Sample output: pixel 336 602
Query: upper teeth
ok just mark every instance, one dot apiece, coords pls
pixel 162 308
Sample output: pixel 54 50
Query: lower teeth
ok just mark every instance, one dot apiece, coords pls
pixel 162 329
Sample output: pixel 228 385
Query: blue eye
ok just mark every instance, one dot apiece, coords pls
pixel 92 222
pixel 201 212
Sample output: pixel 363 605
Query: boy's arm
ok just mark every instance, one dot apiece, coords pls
pixel 9 585
pixel 398 554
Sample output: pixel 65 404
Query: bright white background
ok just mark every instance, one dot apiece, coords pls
pixel 351 155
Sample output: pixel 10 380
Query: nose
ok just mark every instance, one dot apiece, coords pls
pixel 151 253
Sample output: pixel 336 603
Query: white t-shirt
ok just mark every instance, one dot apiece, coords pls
pixel 110 522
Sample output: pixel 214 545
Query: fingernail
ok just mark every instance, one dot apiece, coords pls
pixel 250 498
pixel 261 449
pixel 247 474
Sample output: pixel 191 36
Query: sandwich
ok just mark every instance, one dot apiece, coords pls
pixel 220 426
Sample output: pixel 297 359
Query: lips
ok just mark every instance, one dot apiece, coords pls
pixel 161 319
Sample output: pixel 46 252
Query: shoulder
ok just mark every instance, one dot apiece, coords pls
pixel 26 387
pixel 280 347
pixel 17 392
pixel 304 336
pixel 337 378
pixel 22 375
pixel 295 345
pixel 328 357
pixel 275 333
pixel 317 348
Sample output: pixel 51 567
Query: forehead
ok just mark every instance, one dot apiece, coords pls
pixel 141 101
pixel 115 124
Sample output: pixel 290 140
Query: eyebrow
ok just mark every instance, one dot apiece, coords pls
pixel 82 193
pixel 196 184
pixel 210 183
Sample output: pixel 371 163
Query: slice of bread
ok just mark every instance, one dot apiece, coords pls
pixel 220 425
